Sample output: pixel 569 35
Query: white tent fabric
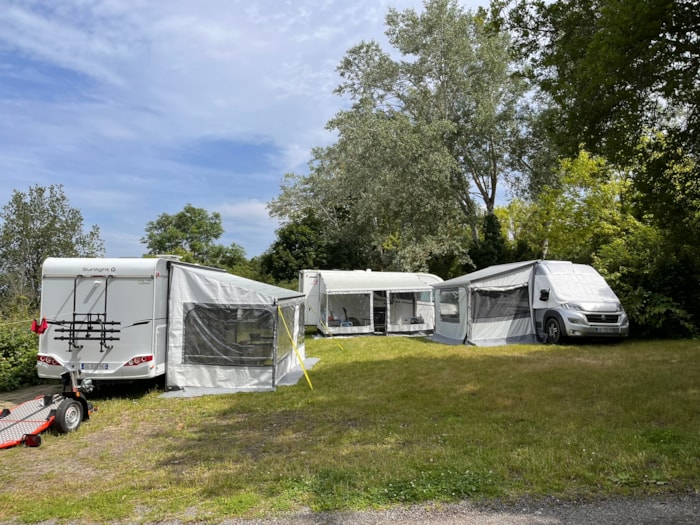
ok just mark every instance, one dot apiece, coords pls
pixel 340 282
pixel 487 307
pixel 226 332
pixel 365 302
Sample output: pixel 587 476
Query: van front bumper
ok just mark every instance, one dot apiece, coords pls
pixel 577 325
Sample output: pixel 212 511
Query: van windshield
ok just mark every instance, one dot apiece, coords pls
pixel 582 287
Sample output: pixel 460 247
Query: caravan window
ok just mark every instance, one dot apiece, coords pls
pixel 449 305
pixel 228 335
pixel 500 305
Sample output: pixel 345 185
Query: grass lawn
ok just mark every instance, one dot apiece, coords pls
pixel 390 420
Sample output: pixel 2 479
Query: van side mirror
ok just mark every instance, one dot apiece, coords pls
pixel 544 295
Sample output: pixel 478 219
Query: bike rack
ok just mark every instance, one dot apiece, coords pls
pixel 88 326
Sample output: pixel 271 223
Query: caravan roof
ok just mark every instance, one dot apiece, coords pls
pixel 365 282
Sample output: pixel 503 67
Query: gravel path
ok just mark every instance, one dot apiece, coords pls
pixel 666 510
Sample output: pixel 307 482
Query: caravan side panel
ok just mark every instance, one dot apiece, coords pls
pixel 309 285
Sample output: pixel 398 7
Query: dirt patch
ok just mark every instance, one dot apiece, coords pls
pixel 15 397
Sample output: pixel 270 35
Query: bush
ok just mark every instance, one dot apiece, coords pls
pixel 18 350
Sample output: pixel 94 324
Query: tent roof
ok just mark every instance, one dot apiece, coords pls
pixel 367 281
pixel 229 279
pixel 485 273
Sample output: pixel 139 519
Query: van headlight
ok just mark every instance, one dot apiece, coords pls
pixel 572 306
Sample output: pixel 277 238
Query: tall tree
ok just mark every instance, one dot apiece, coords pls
pixel 615 69
pixel 455 70
pixel 35 225
pixel 191 234
pixel 427 141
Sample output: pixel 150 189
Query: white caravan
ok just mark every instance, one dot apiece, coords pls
pixel 353 302
pixel 138 318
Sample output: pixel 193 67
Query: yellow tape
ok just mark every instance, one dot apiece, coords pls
pixel 294 345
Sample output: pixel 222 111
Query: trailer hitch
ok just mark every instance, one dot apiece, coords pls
pixel 73 383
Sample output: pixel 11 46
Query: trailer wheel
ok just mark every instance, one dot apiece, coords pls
pixel 69 415
pixel 553 331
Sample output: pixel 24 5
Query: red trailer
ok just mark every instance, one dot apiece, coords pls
pixel 65 412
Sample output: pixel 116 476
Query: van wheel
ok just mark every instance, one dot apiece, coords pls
pixel 553 331
pixel 69 415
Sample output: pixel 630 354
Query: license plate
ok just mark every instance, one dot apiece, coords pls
pixel 606 330
pixel 94 366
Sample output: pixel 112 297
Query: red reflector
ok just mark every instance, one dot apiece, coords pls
pixel 139 360
pixel 32 440
pixel 48 360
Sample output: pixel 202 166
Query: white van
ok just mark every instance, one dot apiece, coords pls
pixel 573 300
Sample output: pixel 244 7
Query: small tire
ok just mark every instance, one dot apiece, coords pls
pixel 553 331
pixel 69 415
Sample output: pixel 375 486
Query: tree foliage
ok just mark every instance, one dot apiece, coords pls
pixel 18 349
pixel 35 225
pixel 425 134
pixel 615 68
pixel 299 245
pixel 455 71
pixel 190 234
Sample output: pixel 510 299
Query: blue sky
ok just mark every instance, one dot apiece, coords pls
pixel 139 107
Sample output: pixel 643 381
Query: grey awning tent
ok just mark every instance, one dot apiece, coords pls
pixel 228 332
pixel 488 307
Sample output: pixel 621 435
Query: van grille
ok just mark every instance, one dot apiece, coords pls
pixel 602 318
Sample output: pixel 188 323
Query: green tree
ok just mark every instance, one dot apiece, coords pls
pixel 35 225
pixel 667 180
pixel 650 275
pixel 424 135
pixel 586 210
pixel 232 258
pixel 614 68
pixel 189 233
pixel 299 246
pixel 456 71
pixel 491 247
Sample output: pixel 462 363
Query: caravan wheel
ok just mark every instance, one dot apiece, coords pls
pixel 553 330
pixel 69 415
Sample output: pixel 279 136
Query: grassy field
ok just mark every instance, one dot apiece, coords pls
pixel 390 420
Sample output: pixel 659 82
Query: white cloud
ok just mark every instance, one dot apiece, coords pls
pixel 97 95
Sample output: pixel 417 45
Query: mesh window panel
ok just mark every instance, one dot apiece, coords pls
pixel 500 305
pixel 228 335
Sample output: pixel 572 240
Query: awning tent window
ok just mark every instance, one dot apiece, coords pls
pixel 225 335
pixel 352 309
pixel 449 305
pixel 286 322
pixel 500 305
